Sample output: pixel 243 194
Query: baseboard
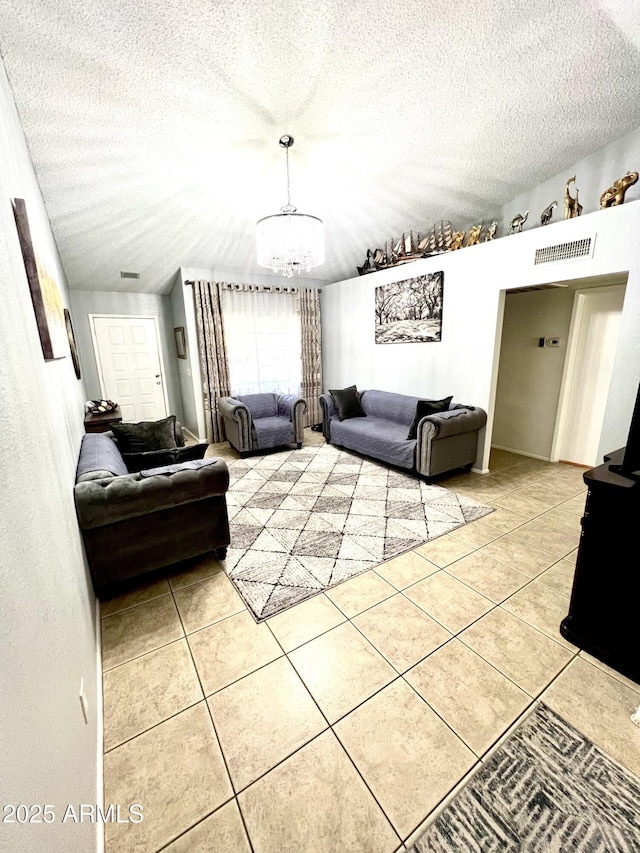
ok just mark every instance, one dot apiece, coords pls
pixel 99 732
pixel 480 470
pixel 520 452
pixel 191 435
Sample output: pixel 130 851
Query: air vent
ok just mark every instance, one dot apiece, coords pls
pixel 129 274
pixel 565 251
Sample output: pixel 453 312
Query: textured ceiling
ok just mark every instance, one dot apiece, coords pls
pixel 154 126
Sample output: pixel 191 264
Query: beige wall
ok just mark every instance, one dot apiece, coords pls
pixel 47 605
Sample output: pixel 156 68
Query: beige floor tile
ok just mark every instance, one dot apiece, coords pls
pixel 444 550
pixel 523 654
pixel 559 543
pixel 315 802
pixel 231 649
pixel 572 557
pixel 540 492
pixel 559 577
pixel 305 622
pixel 488 576
pixel 477 701
pixel 401 631
pixel 634 685
pixel 477 534
pixel 359 593
pixel 222 831
pixel 449 601
pixel 262 719
pixel 144 692
pixel 521 556
pixel 505 520
pixel 194 570
pixel 542 607
pixel 341 669
pixel 407 756
pixel 406 569
pixel 137 594
pixel 599 706
pixel 175 771
pixel 141 629
pixel 562 519
pixel 207 602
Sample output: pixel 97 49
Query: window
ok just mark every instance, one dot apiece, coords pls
pixel 262 333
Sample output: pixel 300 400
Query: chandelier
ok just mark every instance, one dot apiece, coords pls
pixel 290 242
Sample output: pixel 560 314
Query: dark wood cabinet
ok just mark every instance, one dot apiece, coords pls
pixel 604 607
pixel 103 422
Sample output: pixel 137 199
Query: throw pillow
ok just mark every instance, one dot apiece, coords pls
pixel 155 458
pixel 427 407
pixel 347 403
pixel 146 436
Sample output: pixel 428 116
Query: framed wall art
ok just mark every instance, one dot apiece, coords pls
pixel 410 311
pixel 45 293
pixel 181 344
pixel 72 342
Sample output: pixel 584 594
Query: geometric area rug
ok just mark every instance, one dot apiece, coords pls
pixel 547 789
pixel 305 520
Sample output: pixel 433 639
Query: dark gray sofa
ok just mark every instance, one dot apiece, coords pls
pixel 444 441
pixel 134 523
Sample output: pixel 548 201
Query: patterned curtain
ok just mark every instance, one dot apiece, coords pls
pixel 213 354
pixel 309 310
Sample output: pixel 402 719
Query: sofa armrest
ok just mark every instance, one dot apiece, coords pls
pixel 293 407
pixel 328 411
pixel 452 422
pixel 237 422
pixel 102 502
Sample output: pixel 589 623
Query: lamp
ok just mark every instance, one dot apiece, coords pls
pixel 290 242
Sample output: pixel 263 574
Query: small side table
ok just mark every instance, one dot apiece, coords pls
pixel 103 421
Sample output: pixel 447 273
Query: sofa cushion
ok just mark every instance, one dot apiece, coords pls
pixel 376 437
pixel 99 453
pixel 390 406
pixel 272 432
pixel 154 458
pixel 147 435
pixel 191 465
pixel 260 405
pixel 347 403
pixel 428 407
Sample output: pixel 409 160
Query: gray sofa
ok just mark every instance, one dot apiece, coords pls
pixel 444 441
pixel 263 421
pixel 132 523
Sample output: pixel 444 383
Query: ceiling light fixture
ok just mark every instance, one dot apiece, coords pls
pixel 290 242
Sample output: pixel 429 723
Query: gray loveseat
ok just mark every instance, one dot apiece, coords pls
pixel 132 523
pixel 444 441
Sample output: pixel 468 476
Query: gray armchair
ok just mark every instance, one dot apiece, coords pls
pixel 263 421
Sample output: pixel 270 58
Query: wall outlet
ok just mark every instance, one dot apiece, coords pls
pixel 83 703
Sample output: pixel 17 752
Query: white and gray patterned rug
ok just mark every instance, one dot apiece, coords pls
pixel 306 520
pixel 548 789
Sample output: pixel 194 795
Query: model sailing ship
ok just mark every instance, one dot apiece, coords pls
pixel 409 248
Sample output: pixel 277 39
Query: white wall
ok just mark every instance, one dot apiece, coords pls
pixel 47 605
pixel 85 302
pixel 464 363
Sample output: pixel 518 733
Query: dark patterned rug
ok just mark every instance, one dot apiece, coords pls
pixel 306 520
pixel 548 789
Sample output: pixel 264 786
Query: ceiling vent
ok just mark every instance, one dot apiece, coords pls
pixel 129 274
pixel 565 251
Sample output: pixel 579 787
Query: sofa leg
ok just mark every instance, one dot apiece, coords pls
pixel 299 445
pixel 220 553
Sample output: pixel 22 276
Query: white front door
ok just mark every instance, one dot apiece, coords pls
pixel 130 366
pixel 595 326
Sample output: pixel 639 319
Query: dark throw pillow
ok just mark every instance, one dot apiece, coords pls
pixel 146 436
pixel 347 403
pixel 427 407
pixel 157 458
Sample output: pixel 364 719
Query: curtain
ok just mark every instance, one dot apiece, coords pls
pixel 262 330
pixel 214 366
pixel 308 299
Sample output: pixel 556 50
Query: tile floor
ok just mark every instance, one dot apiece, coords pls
pixel 345 723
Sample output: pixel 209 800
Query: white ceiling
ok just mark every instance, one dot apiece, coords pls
pixel 154 125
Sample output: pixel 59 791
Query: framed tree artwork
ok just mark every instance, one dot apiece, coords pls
pixel 410 311
pixel 181 344
pixel 45 293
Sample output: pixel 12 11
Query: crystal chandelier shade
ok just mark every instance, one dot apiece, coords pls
pixel 290 242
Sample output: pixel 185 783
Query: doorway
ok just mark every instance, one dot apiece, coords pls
pixel 129 362
pixel 593 338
